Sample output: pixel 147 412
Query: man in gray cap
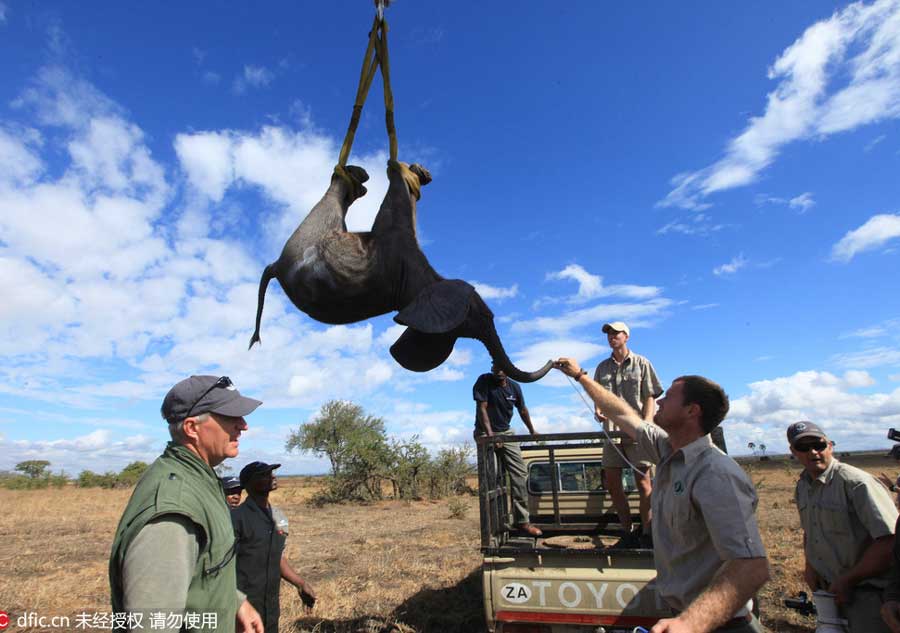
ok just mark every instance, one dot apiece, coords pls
pixel 631 377
pixel 261 530
pixel 848 523
pixel 173 551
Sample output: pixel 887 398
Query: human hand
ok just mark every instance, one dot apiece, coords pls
pixel 247 619
pixel 568 366
pixel 842 590
pixel 308 596
pixel 890 613
pixel 671 625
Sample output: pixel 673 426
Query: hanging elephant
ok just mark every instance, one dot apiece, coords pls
pixel 337 276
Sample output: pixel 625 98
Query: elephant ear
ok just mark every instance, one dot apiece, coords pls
pixel 438 308
pixel 417 351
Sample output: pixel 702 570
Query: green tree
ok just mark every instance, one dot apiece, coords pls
pixel 131 473
pixel 34 468
pixel 344 433
pixel 354 443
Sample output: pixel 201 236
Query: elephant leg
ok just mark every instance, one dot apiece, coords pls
pixel 328 214
pixel 398 210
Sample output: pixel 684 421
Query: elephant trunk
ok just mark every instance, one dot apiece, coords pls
pixel 494 347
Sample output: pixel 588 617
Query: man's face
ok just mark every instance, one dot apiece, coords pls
pixel 671 411
pixel 264 483
pixel 815 454
pixel 217 437
pixel 499 374
pixel 233 497
pixel 616 340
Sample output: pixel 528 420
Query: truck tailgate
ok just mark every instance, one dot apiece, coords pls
pixel 599 590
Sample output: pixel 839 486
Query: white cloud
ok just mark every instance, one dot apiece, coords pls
pixel 705 306
pixel 804 202
pixel 736 263
pixel 854 420
pixel 860 42
pixel 252 77
pixel 495 293
pixel 534 356
pixel 874 233
pixel 591 286
pixel 83 452
pixel 635 314
pixel 868 358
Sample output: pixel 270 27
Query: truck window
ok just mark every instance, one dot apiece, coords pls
pixel 571 477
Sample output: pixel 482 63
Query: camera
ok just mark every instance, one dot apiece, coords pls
pixel 801 604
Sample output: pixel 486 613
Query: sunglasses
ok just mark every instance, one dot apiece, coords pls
pixel 820 446
pixel 222 383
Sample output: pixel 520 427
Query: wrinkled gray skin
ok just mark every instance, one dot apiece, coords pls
pixel 336 276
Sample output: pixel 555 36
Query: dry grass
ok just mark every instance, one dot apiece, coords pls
pixel 390 566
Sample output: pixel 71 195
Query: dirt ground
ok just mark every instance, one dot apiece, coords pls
pixel 389 566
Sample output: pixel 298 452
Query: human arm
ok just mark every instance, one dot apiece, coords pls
pixel 890 613
pixel 612 406
pixel 648 409
pixel 526 418
pixel 158 566
pixel 247 619
pixel 304 590
pixel 481 411
pixel 875 560
pixel 731 588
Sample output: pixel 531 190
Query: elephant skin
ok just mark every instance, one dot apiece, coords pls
pixel 337 276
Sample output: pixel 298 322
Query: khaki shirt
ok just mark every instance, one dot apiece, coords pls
pixel 634 380
pixel 703 514
pixel 842 511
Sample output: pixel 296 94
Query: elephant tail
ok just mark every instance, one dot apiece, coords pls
pixel 267 275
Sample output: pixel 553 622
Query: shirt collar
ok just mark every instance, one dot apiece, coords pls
pixel 696 448
pixel 624 360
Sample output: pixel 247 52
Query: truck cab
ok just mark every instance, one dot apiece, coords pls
pixel 569 580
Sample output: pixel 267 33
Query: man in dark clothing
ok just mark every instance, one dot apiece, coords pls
pixel 495 396
pixel 261 530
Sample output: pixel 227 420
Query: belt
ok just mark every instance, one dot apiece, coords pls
pixel 737 622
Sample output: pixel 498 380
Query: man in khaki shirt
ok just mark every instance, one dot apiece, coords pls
pixel 709 557
pixel 848 528
pixel 631 377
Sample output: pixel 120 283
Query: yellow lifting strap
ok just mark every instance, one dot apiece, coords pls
pixel 376 56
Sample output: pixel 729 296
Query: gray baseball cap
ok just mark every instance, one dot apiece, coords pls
pixel 799 430
pixel 205 394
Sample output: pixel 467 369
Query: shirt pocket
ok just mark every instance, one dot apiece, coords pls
pixel 834 518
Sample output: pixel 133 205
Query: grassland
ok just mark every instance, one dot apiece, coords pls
pixel 389 566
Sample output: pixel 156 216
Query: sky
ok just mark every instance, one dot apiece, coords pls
pixel 722 177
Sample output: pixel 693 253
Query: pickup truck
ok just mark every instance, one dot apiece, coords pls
pixel 568 580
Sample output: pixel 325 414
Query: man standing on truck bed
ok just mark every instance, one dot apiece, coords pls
pixel 631 377
pixel 495 396
pixel 709 556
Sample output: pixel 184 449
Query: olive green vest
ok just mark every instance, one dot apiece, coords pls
pixel 179 482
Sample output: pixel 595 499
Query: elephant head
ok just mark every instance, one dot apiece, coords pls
pixel 440 314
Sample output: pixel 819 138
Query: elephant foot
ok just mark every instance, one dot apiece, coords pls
pixel 357 173
pixel 421 172
pixel 353 176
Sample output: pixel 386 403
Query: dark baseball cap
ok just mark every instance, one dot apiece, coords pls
pixel 231 483
pixel 799 430
pixel 205 394
pixel 254 469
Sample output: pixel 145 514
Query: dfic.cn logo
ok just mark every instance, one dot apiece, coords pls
pixel 4 620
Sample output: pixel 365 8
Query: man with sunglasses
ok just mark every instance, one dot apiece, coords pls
pixel 174 549
pixel 848 528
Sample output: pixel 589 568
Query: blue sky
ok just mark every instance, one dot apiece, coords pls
pixel 723 178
